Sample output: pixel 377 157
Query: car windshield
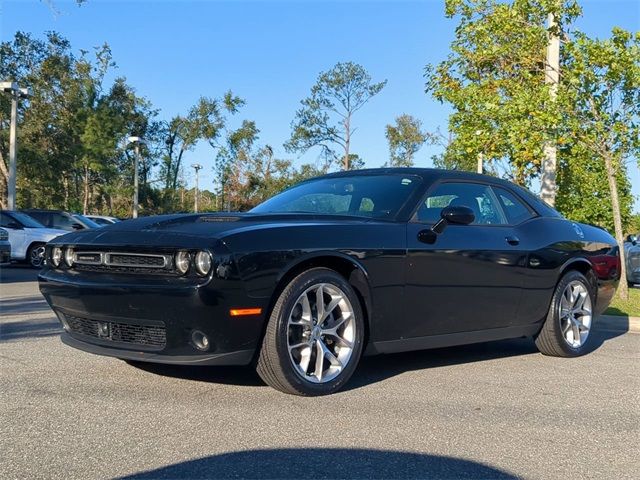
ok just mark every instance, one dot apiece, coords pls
pixel 375 196
pixel 26 220
pixel 85 221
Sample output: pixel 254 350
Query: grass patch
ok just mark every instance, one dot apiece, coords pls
pixel 629 308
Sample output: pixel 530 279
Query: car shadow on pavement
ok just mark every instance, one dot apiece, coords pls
pixel 18 274
pixel 376 368
pixel 21 329
pixel 324 463
pixel 23 305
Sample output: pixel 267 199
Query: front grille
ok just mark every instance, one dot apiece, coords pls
pixel 124 262
pixel 149 336
pixel 135 260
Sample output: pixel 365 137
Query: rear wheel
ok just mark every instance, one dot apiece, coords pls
pixel 566 331
pixel 35 255
pixel 314 336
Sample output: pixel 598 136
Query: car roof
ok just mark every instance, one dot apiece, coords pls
pixel 430 175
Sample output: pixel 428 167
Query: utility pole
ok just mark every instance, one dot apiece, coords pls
pixel 552 78
pixel 136 160
pixel 16 93
pixel 197 167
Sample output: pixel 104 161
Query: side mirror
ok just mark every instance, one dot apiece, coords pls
pixel 77 226
pixel 14 226
pixel 459 215
pixel 449 215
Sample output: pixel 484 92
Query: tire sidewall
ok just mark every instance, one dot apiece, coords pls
pixel 292 293
pixel 555 307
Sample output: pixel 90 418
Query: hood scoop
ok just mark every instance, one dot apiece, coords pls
pixel 217 218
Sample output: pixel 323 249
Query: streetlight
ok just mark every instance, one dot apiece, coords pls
pixel 137 141
pixel 197 167
pixel 16 93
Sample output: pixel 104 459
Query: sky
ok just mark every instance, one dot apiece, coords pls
pixel 270 53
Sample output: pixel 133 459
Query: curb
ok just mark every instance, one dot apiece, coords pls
pixel 618 323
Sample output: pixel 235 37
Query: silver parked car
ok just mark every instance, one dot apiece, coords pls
pixel 632 254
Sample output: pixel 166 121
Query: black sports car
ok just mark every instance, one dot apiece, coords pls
pixel 373 261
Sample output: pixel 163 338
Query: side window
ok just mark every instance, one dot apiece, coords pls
pixel 5 220
pixel 61 221
pixel 40 217
pixel 516 211
pixel 476 196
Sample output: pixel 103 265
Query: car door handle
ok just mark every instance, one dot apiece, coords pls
pixel 512 240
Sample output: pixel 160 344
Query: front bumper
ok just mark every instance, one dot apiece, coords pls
pixel 240 357
pixel 135 317
pixel 5 255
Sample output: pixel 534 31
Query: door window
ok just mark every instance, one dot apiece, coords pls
pixel 478 197
pixel 516 211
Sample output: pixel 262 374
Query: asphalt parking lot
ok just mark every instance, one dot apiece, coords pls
pixel 495 410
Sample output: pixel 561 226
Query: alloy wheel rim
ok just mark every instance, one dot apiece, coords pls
pixel 321 333
pixel 37 256
pixel 575 313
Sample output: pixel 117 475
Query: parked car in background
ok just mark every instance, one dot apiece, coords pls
pixel 27 237
pixel 5 248
pixel 103 220
pixel 61 220
pixel 632 255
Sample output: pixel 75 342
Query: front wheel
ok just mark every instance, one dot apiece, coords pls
pixel 314 336
pixel 566 330
pixel 35 255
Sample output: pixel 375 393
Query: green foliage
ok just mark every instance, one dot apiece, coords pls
pixel 494 80
pixel 583 191
pixel 600 98
pixel 325 119
pixel 405 139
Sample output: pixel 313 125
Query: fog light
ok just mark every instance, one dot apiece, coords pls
pixel 182 262
pixel 203 263
pixel 68 257
pixel 56 256
pixel 200 340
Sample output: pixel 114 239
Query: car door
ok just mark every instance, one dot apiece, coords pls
pixel 17 235
pixel 470 277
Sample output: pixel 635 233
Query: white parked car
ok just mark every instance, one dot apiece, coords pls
pixel 27 237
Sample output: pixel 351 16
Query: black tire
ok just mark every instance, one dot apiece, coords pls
pixel 35 255
pixel 550 340
pixel 274 364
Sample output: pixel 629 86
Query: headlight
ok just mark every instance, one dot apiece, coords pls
pixel 203 263
pixel 182 262
pixel 68 257
pixel 56 256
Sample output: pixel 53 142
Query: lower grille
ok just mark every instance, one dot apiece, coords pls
pixel 150 336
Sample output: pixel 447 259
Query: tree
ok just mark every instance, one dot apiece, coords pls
pixel 72 129
pixel 405 139
pixel 600 97
pixel 494 79
pixel 326 117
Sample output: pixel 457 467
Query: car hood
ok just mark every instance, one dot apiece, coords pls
pixel 185 229
pixel 45 233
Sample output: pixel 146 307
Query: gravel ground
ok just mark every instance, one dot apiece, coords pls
pixel 494 410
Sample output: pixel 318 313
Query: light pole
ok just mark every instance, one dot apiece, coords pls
pixel 480 164
pixel 137 141
pixel 16 93
pixel 197 167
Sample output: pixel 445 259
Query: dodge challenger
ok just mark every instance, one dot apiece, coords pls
pixel 337 267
